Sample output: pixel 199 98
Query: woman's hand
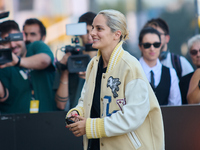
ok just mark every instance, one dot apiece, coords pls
pixel 72 116
pixel 78 128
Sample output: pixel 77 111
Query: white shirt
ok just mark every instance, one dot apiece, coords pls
pixel 174 93
pixel 185 65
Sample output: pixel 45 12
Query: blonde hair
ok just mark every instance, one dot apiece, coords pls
pixel 116 21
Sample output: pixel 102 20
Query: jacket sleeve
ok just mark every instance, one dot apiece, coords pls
pixel 133 115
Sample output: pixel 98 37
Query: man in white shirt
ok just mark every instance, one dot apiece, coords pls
pixel 171 60
pixel 165 84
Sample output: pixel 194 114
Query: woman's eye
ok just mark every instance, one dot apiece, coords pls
pixel 99 28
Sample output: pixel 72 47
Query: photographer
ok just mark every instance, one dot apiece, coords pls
pixel 70 83
pixel 26 82
pixel 34 30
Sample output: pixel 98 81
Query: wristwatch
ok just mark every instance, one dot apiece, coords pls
pixel 19 60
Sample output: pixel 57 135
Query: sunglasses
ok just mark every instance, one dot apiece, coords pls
pixel 194 52
pixel 148 45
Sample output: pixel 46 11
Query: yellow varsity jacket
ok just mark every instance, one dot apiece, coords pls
pixel 131 118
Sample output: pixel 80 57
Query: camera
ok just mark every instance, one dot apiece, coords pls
pixel 6 54
pixel 78 61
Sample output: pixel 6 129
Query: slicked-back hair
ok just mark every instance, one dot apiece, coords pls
pixel 147 30
pixel 116 21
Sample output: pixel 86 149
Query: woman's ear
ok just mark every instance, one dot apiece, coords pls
pixel 117 34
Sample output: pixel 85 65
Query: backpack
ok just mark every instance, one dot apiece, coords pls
pixel 176 63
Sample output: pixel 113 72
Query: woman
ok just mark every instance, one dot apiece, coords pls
pixel 163 80
pixel 117 108
pixel 193 95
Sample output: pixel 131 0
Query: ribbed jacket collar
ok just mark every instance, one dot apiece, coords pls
pixel 115 56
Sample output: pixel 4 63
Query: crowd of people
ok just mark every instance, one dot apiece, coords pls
pixel 118 97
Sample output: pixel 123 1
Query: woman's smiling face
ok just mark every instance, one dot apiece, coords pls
pixel 101 33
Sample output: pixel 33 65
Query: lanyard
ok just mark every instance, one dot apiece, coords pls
pixel 31 85
pixel 27 72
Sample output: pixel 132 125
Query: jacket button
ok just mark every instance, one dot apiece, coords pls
pixel 101 144
pixel 104 76
pixel 101 99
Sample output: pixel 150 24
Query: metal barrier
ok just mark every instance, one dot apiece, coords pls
pixel 182 127
pixel 46 131
pixel 42 131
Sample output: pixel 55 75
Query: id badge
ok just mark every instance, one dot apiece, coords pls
pixel 34 106
pixel 23 74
